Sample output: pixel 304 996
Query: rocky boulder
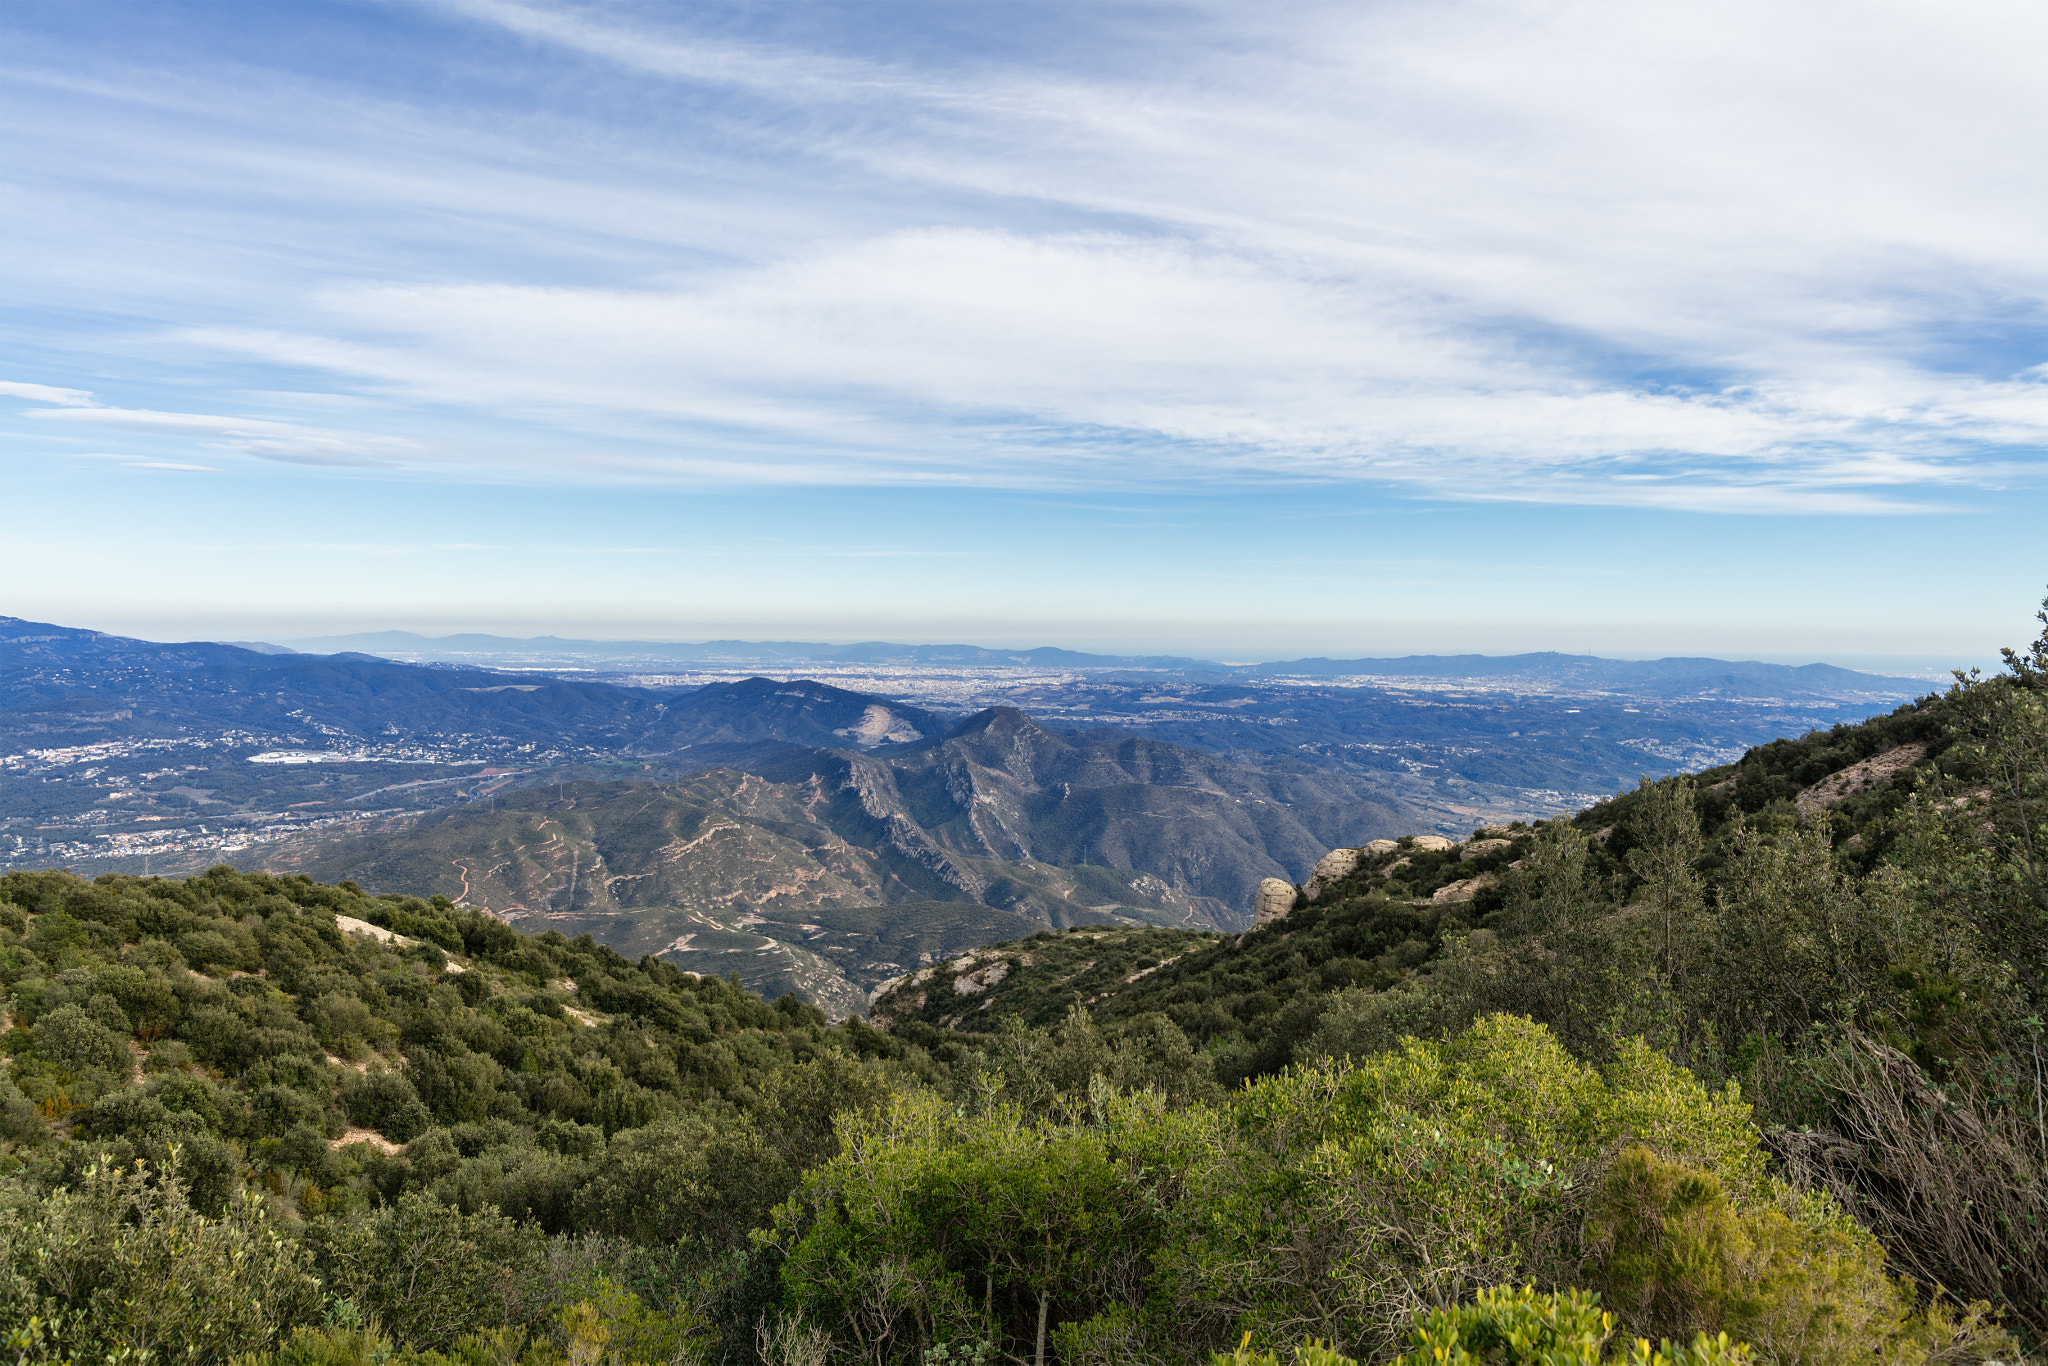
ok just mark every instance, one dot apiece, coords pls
pixel 1428 844
pixel 1481 848
pixel 1337 864
pixel 1272 902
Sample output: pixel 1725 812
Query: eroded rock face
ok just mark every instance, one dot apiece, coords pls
pixel 1481 848
pixel 973 983
pixel 1428 844
pixel 1338 863
pixel 1272 902
pixel 1379 848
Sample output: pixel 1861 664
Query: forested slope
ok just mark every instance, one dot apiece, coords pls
pixel 1852 926
pixel 1753 1054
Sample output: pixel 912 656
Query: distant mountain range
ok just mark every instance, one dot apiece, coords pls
pixel 725 652
pixel 1652 677
pixel 1659 677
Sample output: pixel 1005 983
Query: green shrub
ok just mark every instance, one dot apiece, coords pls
pixel 72 1039
pixel 430 1273
pixel 1505 1327
pixel 1357 1195
pixel 386 1102
pixel 1798 1279
pixel 123 1264
pixel 932 1226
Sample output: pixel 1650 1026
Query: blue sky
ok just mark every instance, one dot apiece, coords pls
pixel 1248 330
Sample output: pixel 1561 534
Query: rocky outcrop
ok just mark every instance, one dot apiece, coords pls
pixel 1378 848
pixel 1333 866
pixel 1273 901
pixel 1875 771
pixel 1481 848
pixel 974 983
pixel 1429 844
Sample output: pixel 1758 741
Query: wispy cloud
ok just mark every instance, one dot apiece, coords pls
pixel 1705 259
pixel 264 440
pixel 43 393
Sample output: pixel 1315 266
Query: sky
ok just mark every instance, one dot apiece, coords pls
pixel 1248 331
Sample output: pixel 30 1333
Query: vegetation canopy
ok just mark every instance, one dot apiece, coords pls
pixel 1738 1067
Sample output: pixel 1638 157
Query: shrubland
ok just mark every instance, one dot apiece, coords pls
pixel 1701 1075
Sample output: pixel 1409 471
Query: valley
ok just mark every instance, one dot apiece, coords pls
pixel 807 836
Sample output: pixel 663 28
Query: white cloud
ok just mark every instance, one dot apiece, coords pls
pixel 1712 257
pixel 43 393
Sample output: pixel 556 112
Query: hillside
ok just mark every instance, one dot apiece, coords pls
pixel 1001 786
pixel 1260 997
pixel 826 872
pixel 787 887
pixel 1846 926
pixel 1251 1001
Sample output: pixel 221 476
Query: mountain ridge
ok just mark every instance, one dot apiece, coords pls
pixel 1549 665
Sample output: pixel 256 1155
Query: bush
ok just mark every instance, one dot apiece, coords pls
pixel 430 1273
pixel 20 1121
pixel 386 1102
pixel 1357 1195
pixel 1516 1326
pixel 1800 1280
pixel 75 1041
pixel 119 1265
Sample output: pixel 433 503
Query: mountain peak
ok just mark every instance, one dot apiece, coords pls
pixel 999 721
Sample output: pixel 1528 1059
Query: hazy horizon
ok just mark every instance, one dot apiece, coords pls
pixel 1931 667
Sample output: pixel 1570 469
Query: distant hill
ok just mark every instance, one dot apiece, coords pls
pixel 474 646
pixel 1650 677
pixel 1676 677
pixel 66 687
pixel 800 712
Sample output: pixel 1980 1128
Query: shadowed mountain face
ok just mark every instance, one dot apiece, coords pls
pixel 828 871
pixel 1000 786
pixel 813 886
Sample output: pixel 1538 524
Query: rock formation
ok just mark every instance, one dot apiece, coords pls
pixel 1481 848
pixel 1875 771
pixel 1338 863
pixel 1428 844
pixel 1273 901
